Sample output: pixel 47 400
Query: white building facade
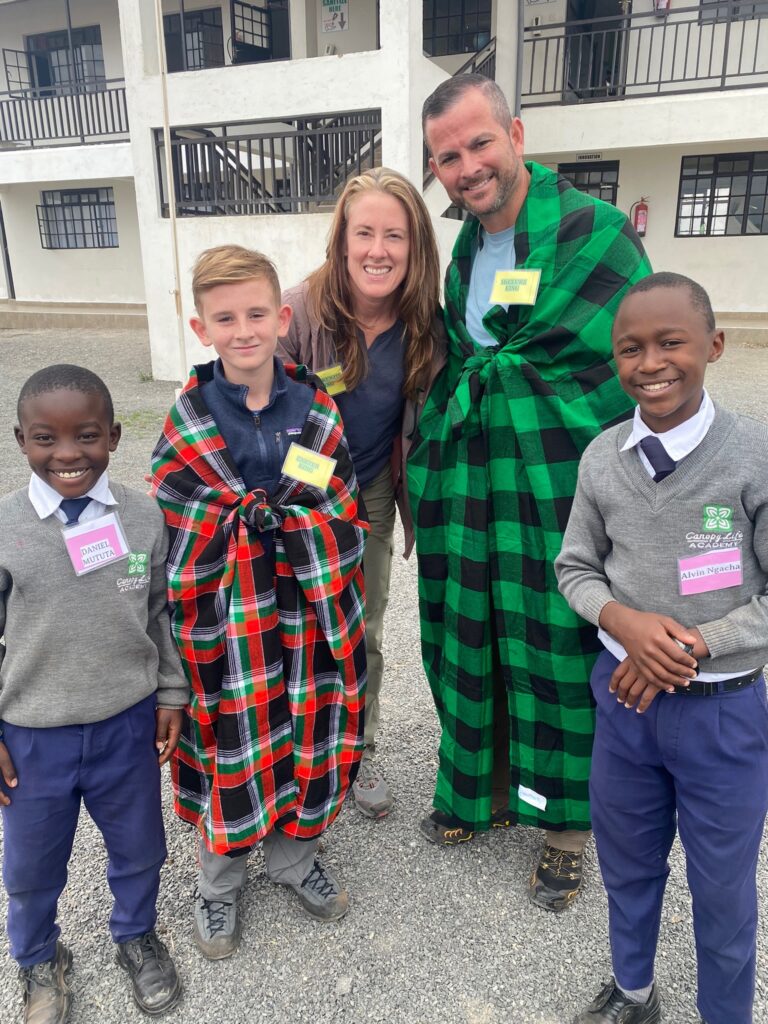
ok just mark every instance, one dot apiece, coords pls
pixel 135 133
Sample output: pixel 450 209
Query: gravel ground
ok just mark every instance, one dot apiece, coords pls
pixel 433 936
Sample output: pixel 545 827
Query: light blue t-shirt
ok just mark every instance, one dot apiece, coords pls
pixel 494 252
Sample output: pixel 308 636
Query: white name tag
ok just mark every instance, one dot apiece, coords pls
pixel 95 543
pixel 530 796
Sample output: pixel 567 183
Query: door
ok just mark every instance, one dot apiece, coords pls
pixel 595 49
pixel 5 257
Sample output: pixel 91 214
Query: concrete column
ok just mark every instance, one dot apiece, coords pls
pixel 144 99
pixel 303 15
pixel 402 43
pixel 506 47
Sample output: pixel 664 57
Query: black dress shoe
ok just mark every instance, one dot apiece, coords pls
pixel 556 880
pixel 611 1006
pixel 156 985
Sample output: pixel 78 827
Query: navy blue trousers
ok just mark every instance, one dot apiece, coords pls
pixel 112 767
pixel 698 765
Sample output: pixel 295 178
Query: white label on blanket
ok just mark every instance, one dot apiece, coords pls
pixel 530 796
pixel 309 467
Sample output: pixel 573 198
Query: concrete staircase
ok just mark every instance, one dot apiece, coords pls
pixel 750 329
pixel 30 315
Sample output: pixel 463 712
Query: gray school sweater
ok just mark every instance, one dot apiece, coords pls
pixel 651 545
pixel 80 649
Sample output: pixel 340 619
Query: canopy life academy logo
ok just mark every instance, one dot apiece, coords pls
pixel 717 519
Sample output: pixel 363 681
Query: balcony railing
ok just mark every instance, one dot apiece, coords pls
pixel 719 46
pixel 79 114
pixel 293 166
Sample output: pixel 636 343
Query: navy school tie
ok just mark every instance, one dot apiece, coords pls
pixel 72 507
pixel 656 454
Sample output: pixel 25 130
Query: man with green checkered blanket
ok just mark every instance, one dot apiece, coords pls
pixel 536 277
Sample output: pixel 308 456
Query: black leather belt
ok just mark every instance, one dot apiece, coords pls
pixel 700 689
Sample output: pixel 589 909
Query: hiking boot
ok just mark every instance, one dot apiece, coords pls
pixel 45 989
pixel 217 926
pixel 373 797
pixel 437 828
pixel 321 895
pixel 611 1006
pixel 556 880
pixel 156 985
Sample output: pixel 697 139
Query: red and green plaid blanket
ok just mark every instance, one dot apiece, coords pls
pixel 276 661
pixel 491 478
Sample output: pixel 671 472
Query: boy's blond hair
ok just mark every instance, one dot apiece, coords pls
pixel 228 264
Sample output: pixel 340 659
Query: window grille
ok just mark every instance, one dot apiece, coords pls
pixel 456 26
pixel 78 218
pixel 599 179
pixel 723 194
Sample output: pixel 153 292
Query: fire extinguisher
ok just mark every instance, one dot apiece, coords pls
pixel 638 214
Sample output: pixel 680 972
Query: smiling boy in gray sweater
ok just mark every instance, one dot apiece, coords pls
pixel 91 690
pixel 666 552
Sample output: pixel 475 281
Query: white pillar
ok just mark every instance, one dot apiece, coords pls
pixel 401 33
pixel 144 99
pixel 303 15
pixel 506 47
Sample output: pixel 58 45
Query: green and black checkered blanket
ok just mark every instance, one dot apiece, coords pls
pixel 491 478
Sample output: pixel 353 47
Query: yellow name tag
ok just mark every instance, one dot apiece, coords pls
pixel 333 378
pixel 307 466
pixel 515 287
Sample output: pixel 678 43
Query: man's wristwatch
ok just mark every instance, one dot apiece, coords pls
pixel 688 648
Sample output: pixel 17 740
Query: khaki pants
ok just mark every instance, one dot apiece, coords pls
pixel 379 500
pixel 570 840
pixel 287 861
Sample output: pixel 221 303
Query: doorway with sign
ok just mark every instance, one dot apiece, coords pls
pixel 596 39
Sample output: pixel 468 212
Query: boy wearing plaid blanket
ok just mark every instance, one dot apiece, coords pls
pixel 666 551
pixel 255 479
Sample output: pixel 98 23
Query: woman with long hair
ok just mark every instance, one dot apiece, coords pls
pixel 367 320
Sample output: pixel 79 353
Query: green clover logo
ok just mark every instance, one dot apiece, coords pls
pixel 718 518
pixel 137 563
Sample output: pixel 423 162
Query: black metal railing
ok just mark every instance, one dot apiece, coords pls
pixel 231 169
pixel 688 49
pixel 69 115
pixel 481 63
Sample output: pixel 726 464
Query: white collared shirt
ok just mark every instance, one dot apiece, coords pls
pixel 678 442
pixel 46 501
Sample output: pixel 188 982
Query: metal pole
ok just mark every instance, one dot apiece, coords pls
pixel 176 291
pixel 74 91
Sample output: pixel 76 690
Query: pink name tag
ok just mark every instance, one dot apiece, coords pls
pixel 714 570
pixel 95 543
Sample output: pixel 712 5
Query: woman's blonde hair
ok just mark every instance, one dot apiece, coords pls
pixel 330 297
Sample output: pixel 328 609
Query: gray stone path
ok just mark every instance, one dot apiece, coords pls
pixel 432 936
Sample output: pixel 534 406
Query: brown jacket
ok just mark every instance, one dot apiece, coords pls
pixel 308 342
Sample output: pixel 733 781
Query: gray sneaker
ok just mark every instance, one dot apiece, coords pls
pixel 373 796
pixel 321 894
pixel 217 926
pixel 45 989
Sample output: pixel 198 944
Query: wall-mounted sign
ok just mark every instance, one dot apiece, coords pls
pixel 335 16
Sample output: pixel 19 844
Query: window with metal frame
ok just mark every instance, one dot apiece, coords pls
pixel 599 178
pixel 78 218
pixel 203 43
pixel 456 26
pixel 723 194
pixel 52 68
pixel 737 10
